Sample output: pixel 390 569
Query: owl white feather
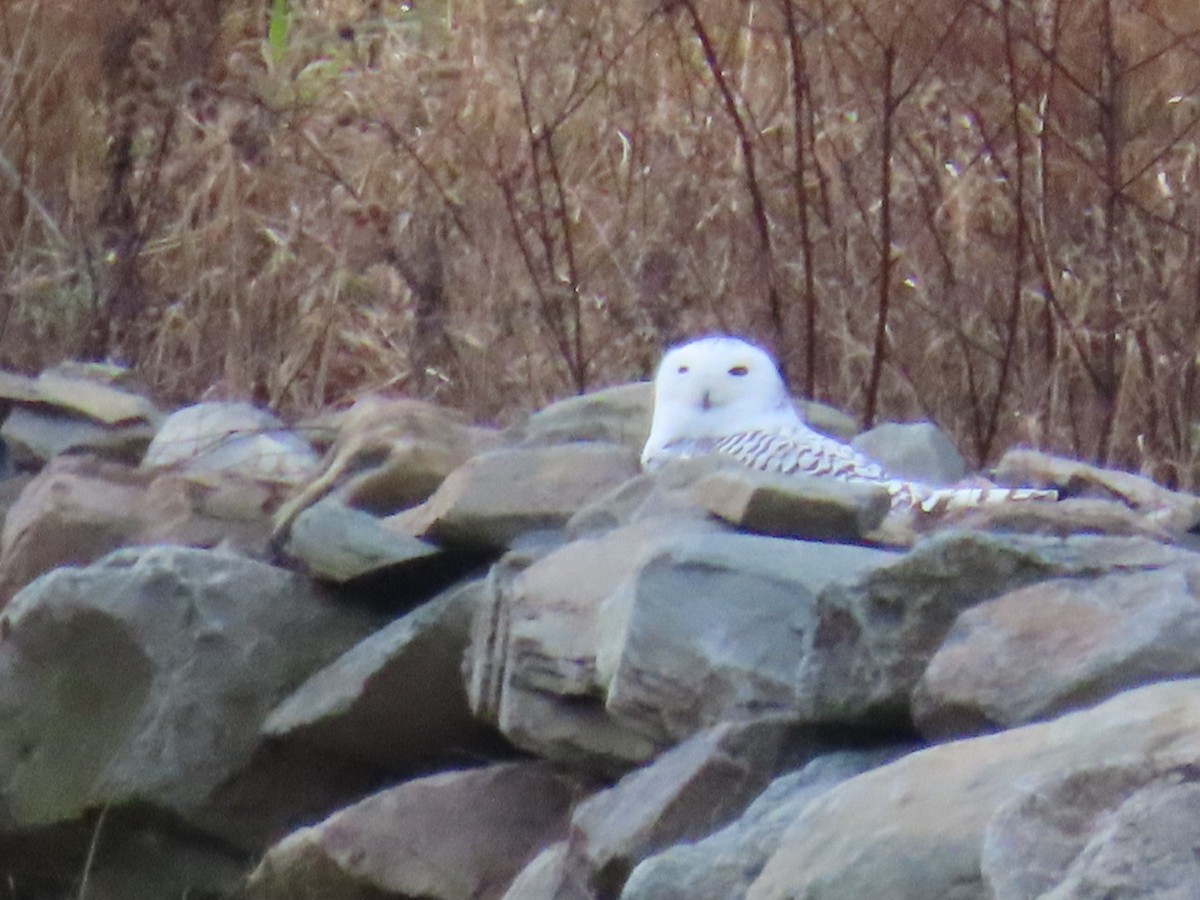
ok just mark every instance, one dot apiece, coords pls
pixel 722 395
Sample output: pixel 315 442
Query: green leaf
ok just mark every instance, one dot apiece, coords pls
pixel 277 30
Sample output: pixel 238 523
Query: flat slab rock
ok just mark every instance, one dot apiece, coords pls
pixel 497 497
pixel 454 836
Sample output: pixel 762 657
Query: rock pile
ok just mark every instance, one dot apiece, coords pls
pixel 453 663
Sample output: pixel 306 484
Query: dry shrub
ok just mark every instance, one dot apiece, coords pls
pixel 980 212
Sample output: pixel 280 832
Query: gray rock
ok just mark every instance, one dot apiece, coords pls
pixel 144 678
pixel 555 874
pixel 615 415
pixel 532 660
pixel 35 436
pixel 1059 645
pixel 79 508
pixel 498 497
pixel 820 509
pixel 454 836
pixel 916 450
pixel 710 627
pixel 913 830
pixel 1177 512
pixel 874 635
pixel 233 438
pixel 1121 831
pixel 683 795
pixel 90 391
pixel 395 700
pixel 722 865
pixel 338 544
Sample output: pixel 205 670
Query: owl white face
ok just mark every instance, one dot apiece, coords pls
pixel 714 387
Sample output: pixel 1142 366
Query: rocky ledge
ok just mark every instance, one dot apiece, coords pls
pixel 388 654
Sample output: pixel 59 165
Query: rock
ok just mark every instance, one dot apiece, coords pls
pixel 454 836
pixel 1044 649
pixel 1177 512
pixel 80 508
pixel 498 497
pixel 722 865
pixel 611 648
pixel 142 681
pixel 390 454
pixel 615 415
pixel 72 408
pixel 338 544
pixel 821 509
pixel 697 786
pixel 710 627
pixel 912 830
pixel 35 436
pixel 874 636
pixel 827 419
pixel 1119 831
pixel 919 451
pixel 666 494
pixel 532 659
pixel 396 700
pixel 232 438
pixel 554 873
pixel 1062 519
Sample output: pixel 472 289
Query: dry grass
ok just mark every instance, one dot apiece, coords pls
pixel 980 212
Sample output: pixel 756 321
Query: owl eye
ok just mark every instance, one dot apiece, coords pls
pixel 683 370
pixel 739 371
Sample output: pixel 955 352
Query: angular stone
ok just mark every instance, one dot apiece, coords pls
pixel 1050 647
pixel 339 544
pixel 1065 518
pixel 532 661
pixel 455 836
pixel 80 508
pixel 497 497
pixel 820 509
pixel 697 786
pixel 1118 831
pixel 875 635
pixel 913 830
pixel 722 865
pixel 34 436
pixel 143 680
pixel 232 438
pixel 1177 512
pixel 395 700
pixel 919 451
pixel 94 399
pixel 615 415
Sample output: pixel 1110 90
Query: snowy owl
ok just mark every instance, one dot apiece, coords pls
pixel 723 395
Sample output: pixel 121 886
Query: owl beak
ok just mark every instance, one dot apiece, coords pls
pixel 706 401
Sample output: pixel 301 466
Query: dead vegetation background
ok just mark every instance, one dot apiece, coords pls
pixel 983 212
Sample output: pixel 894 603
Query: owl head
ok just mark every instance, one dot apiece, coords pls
pixel 714 387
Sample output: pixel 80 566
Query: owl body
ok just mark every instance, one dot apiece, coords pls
pixel 721 395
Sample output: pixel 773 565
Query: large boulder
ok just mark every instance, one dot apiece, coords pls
pixel 913 830
pixel 1050 647
pixel 611 648
pixel 875 634
pixel 142 682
